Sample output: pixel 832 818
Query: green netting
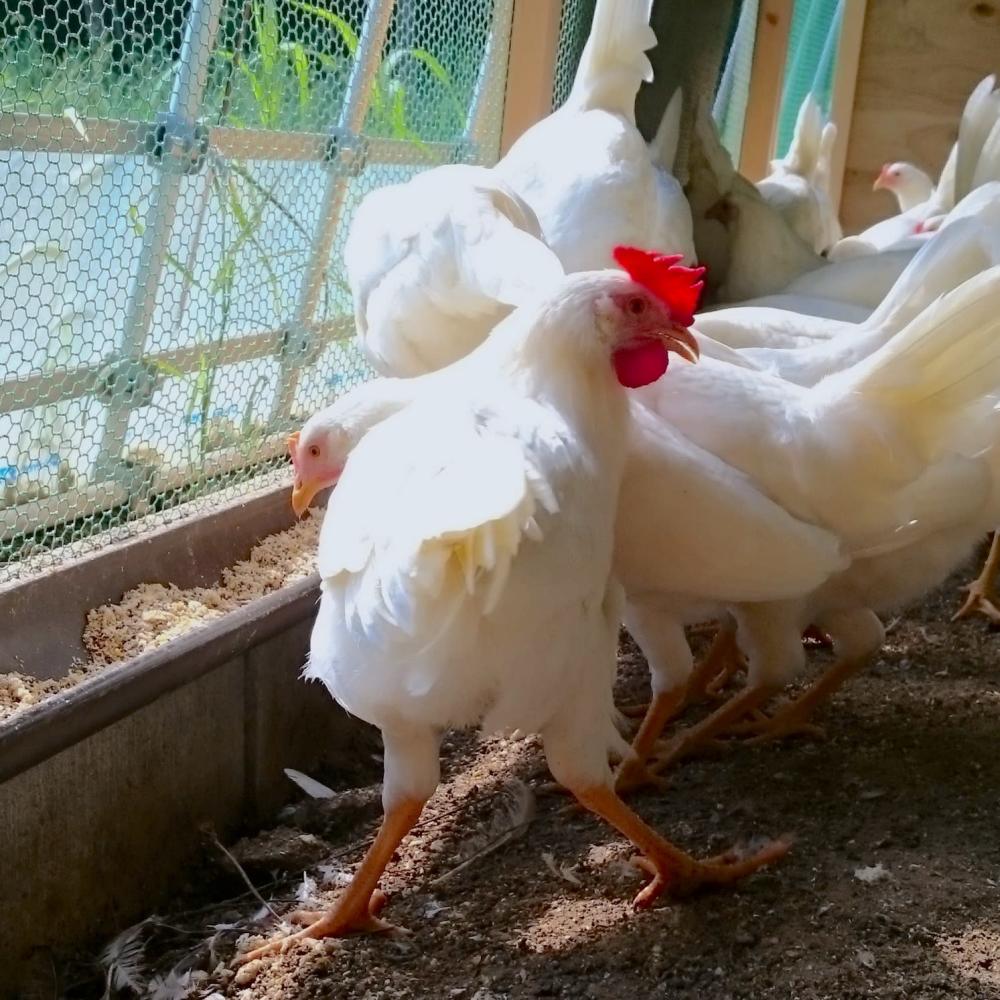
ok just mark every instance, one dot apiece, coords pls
pixel 729 109
pixel 178 177
pixel 809 64
pixel 574 27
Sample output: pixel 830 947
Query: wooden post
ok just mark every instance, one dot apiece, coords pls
pixel 534 40
pixel 767 73
pixel 845 78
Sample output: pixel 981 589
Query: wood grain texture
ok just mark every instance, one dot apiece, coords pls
pixel 534 41
pixel 774 26
pixel 919 61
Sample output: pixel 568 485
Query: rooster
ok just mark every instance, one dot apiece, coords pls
pixel 488 598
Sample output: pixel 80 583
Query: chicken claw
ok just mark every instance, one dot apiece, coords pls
pixel 321 924
pixel 673 871
pixel 981 593
pixel 723 869
pixel 357 910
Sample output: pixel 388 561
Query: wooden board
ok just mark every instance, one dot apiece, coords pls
pixel 919 61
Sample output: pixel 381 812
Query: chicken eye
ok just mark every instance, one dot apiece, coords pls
pixel 636 305
pixel 314 451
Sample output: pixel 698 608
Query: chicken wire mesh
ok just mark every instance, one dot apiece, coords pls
pixel 574 27
pixel 178 178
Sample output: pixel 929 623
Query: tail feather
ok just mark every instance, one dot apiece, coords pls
pixel 824 163
pixel 981 110
pixel 614 62
pixel 664 145
pixel 988 164
pixel 959 252
pixel 943 370
pixel 944 192
pixel 804 152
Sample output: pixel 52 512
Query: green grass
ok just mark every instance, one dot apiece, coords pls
pixel 263 76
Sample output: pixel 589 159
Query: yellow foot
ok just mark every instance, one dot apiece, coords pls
pixel 786 721
pixel 679 878
pixel 632 775
pixel 323 924
pixel 980 598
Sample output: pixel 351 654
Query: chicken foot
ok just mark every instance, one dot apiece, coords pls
pixel 672 869
pixel 982 595
pixel 793 717
pixel 718 723
pixel 356 912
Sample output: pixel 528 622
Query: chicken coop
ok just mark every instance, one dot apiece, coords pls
pixel 178 181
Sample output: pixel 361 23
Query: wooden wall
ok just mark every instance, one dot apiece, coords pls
pixel 919 60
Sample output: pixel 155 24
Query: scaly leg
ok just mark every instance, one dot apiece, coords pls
pixel 671 868
pixel 356 911
pixel 721 662
pixel 632 773
pixel 793 717
pixel 718 723
pixel 982 596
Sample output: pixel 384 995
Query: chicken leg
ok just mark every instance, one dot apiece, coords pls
pixel 982 596
pixel 632 773
pixel 717 724
pixel 671 868
pixel 793 717
pixel 356 911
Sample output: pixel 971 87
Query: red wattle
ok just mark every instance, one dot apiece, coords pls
pixel 639 365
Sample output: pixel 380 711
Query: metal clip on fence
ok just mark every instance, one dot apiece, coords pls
pixel 176 151
pixel 172 142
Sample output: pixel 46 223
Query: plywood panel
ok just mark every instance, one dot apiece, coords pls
pixel 919 60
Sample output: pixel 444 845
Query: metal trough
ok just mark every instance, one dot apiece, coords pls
pixel 104 787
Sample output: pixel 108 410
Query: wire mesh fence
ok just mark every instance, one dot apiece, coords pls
pixel 177 180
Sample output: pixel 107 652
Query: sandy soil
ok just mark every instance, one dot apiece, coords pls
pixel 892 890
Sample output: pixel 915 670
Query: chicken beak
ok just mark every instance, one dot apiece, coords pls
pixel 880 181
pixel 682 342
pixel 303 493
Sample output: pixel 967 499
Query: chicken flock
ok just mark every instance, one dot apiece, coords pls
pixel 529 471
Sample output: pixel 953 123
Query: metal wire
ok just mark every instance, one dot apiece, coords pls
pixel 177 181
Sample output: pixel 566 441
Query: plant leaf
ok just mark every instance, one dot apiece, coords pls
pixel 346 32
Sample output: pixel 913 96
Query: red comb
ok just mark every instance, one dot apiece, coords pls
pixel 663 275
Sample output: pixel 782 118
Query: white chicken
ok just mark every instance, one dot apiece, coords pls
pixel 798 183
pixel 908 184
pixel 488 597
pixel 882 455
pixel 753 255
pixel 587 171
pixel 974 160
pixel 957 253
pixel 678 507
pixel 435 263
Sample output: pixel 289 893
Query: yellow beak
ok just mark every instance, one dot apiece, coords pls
pixel 303 493
pixel 682 342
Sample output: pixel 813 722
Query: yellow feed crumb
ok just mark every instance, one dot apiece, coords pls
pixel 153 614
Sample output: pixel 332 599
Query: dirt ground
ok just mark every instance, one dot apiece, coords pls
pixel 892 889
